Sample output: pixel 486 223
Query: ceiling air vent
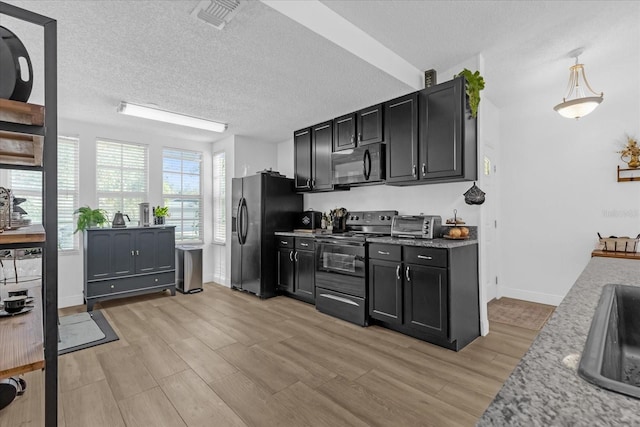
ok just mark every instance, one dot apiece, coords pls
pixel 217 12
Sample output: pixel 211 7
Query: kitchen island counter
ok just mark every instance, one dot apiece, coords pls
pixel 543 390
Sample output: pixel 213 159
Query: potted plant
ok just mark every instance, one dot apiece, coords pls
pixel 88 217
pixel 474 84
pixel 159 214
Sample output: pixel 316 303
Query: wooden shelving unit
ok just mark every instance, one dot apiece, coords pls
pixel 630 177
pixel 612 254
pixel 29 140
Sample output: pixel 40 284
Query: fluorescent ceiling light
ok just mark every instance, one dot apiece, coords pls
pixel 169 117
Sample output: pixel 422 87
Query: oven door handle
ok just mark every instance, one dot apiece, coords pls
pixel 340 299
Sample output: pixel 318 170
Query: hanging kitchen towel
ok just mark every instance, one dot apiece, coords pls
pixel 474 195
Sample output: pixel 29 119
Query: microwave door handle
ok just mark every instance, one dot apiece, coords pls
pixel 366 159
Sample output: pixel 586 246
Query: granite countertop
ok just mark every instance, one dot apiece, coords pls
pixel 542 390
pixel 427 243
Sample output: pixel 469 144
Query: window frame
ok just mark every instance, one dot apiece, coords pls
pixel 219 206
pixel 173 220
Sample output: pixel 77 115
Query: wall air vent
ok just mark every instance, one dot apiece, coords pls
pixel 217 12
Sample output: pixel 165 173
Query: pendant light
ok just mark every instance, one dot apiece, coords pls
pixel 576 104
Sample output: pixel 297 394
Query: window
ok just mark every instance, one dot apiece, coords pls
pixel 28 185
pixel 121 177
pixel 219 190
pixel 182 192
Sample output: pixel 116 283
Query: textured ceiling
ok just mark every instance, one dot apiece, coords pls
pixel 267 75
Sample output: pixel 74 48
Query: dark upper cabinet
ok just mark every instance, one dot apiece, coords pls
pixel 360 128
pixel 344 132
pixel 448 146
pixel 321 148
pixel 369 125
pixel 401 138
pixel 302 159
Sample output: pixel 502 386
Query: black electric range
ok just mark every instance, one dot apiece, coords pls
pixel 341 265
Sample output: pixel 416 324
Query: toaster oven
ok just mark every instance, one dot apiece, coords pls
pixel 416 226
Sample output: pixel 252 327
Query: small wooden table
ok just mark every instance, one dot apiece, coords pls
pixel 21 340
pixel 611 254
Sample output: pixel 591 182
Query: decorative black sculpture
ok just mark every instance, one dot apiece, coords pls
pixel 12 85
pixel 474 195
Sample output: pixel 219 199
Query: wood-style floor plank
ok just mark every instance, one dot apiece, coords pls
pixel 227 358
pixel 197 403
pixel 91 405
pixel 150 408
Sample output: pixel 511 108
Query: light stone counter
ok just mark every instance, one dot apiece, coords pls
pixel 542 390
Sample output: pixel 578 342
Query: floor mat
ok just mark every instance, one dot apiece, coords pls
pixel 524 314
pixel 84 330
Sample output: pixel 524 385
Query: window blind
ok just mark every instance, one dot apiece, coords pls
pixel 121 177
pixel 219 197
pixel 182 192
pixel 28 184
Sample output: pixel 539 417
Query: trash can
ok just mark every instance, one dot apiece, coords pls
pixel 189 269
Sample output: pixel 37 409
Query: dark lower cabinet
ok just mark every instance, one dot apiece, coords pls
pixel 305 274
pixel 120 262
pixel 385 290
pixel 286 278
pixel 428 293
pixel 425 304
pixel 296 268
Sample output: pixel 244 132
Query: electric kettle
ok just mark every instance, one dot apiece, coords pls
pixel 118 220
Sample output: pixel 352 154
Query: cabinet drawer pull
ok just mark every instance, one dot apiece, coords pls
pixel 359 136
pixel 284 242
pixel 425 257
pixel 424 170
pixel 352 139
pixel 291 256
pixel 295 256
pixel 413 170
pixel 156 280
pixel 383 253
pixel 137 252
pixel 113 286
pixel 340 299
pixel 304 244
pixel 407 274
pixel 398 271
pixel 132 253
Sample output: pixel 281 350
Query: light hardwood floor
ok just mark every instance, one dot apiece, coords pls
pixel 226 358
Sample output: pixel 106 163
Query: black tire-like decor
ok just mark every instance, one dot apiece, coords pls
pixel 11 85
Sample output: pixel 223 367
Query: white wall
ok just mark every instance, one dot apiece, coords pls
pixel 559 184
pixel 70 281
pixel 243 156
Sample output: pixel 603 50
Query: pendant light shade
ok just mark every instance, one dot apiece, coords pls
pixel 576 103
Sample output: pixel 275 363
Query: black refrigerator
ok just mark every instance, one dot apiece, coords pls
pixel 261 205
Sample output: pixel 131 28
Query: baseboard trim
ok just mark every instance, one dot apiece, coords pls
pixel 538 297
pixel 71 301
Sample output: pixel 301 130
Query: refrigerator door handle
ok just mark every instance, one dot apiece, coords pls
pixel 245 220
pixel 239 220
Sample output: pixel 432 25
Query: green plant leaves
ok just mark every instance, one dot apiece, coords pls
pixel 88 217
pixel 474 84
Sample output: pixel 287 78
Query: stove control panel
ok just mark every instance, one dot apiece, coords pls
pixel 370 218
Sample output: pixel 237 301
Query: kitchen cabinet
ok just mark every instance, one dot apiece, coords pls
pixel 296 267
pixel 401 138
pixel 428 293
pixel 122 262
pixel 360 128
pixel 447 137
pixel 312 157
pixel 302 159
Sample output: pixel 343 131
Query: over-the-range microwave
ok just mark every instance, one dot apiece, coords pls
pixel 361 165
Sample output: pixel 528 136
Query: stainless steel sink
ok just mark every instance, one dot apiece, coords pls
pixel 611 356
